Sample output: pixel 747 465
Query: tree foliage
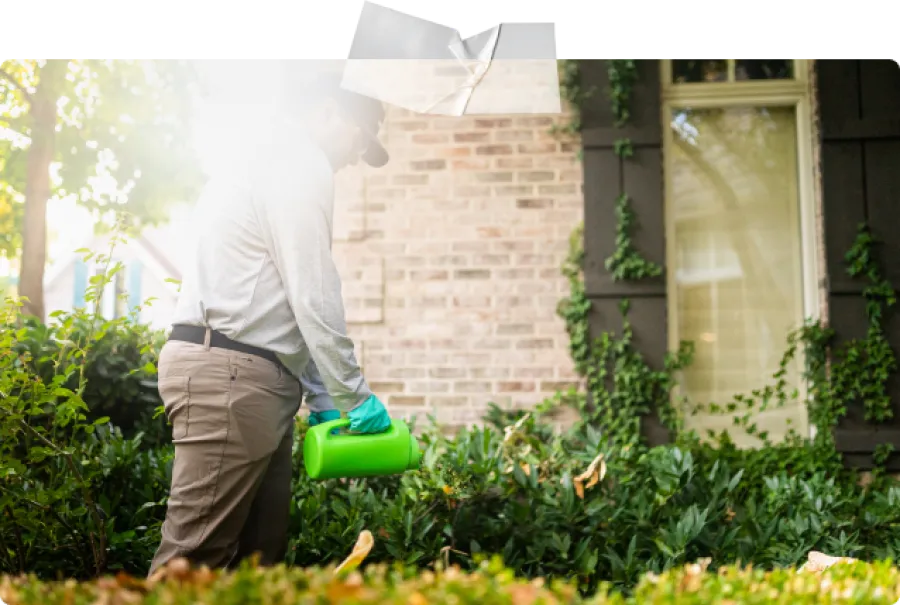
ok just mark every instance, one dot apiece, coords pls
pixel 115 135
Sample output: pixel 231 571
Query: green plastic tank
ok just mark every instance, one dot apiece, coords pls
pixel 352 455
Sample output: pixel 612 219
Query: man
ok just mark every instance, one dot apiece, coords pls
pixel 260 321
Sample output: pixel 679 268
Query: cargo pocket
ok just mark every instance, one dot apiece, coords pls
pixel 175 392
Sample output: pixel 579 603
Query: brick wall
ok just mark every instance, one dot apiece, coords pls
pixel 450 257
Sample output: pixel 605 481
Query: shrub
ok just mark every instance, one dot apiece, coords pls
pixel 489 584
pixel 526 498
pixel 119 367
pixel 77 497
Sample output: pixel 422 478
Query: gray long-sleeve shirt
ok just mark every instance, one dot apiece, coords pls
pixel 263 273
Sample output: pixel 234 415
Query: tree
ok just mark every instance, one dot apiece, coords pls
pixel 113 134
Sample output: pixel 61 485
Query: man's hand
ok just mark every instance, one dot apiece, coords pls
pixel 326 416
pixel 322 417
pixel 370 417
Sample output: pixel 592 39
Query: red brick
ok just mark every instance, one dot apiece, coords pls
pixel 492 260
pixel 489 372
pixel 471 386
pixel 513 190
pixel 487 177
pixel 471 137
pixel 447 372
pixel 410 125
pixel 477 247
pixel 455 260
pixel 431 139
pixel 471 164
pixel 387 387
pixel 515 329
pixel 515 273
pixel 410 179
pixel 428 275
pixel 535 343
pixel 534 122
pixel 406 372
pixel 411 400
pixel 554 386
pixel 514 246
pixel 477 302
pixel 570 147
pixel 454 152
pixel 493 123
pixel 493 344
pixel 471 190
pixel 537 148
pixel 429 165
pixel 515 387
pixel 491 232
pixel 472 274
pixel 513 163
pixel 428 302
pixel 494 150
pixel 444 401
pixel 525 203
pixel 537 175
pixel 507 136
pixel 506 302
pixel 430 387
pixel 538 372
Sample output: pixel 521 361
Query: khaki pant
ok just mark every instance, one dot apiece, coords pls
pixel 232 417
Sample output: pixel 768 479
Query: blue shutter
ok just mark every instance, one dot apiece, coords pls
pixel 80 279
pixel 134 284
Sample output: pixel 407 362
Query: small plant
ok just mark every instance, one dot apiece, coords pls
pixel 57 465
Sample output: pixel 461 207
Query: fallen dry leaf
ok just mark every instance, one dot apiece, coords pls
pixel 817 561
pixel 416 598
pixel 339 591
pixel 363 546
pixel 593 475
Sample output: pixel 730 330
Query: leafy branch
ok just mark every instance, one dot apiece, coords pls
pixel 4 75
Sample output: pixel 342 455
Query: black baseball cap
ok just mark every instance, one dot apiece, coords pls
pixel 365 111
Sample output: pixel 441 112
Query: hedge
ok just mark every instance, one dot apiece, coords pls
pixel 489 584
pixel 80 497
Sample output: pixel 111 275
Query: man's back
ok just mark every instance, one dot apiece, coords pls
pixel 234 284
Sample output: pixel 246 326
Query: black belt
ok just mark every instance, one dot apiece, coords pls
pixel 197 335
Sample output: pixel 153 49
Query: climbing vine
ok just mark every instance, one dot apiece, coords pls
pixel 572 91
pixel 860 367
pixel 622 387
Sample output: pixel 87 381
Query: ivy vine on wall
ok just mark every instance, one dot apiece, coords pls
pixel 622 387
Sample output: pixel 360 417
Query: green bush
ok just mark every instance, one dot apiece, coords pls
pixel 119 369
pixel 82 494
pixel 489 584
pixel 515 494
pixel 80 498
pixel 77 497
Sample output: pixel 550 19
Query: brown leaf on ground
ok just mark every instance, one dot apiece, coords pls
pixel 593 475
pixel 817 561
pixel 361 550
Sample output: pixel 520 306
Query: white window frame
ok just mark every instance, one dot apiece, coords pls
pixel 794 92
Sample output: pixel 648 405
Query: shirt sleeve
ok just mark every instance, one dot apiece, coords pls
pixel 315 393
pixel 294 201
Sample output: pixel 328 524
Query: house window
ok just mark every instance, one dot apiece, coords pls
pixel 740 235
pixel 113 301
pixel 687 71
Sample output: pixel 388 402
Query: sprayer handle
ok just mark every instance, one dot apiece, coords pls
pixel 329 426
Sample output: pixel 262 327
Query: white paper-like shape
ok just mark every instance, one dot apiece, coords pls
pixel 517 87
pixel 397 56
pixel 529 38
pixel 381 32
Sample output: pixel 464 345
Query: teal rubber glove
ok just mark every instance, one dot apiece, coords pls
pixel 370 417
pixel 326 416
pixel 322 417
